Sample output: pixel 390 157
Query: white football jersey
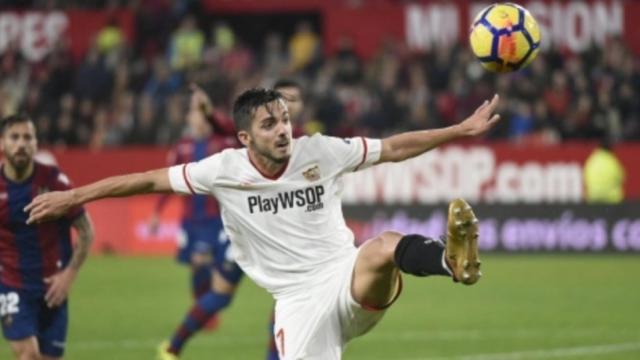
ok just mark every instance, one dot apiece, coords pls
pixel 284 231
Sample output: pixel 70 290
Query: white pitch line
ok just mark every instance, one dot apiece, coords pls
pixel 215 340
pixel 563 353
pixel 476 335
pixel 546 354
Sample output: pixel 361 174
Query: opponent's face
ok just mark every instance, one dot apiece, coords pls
pixel 293 98
pixel 270 133
pixel 19 144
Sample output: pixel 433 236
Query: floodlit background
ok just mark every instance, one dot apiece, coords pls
pixel 107 84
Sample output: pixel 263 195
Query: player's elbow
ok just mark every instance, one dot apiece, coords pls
pixel 88 232
pixel 84 227
pixel 400 155
pixel 155 181
pixel 391 152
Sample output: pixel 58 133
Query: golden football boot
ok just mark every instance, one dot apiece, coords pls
pixel 163 352
pixel 461 250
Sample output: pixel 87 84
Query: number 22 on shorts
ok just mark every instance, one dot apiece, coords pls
pixel 9 303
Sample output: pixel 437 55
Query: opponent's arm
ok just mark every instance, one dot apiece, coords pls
pixel 410 144
pixel 60 283
pixel 154 220
pixel 201 102
pixel 54 204
pixel 84 228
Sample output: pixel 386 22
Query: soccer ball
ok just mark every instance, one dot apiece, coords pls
pixel 504 37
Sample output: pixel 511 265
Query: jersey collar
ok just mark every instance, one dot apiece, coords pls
pixel 275 176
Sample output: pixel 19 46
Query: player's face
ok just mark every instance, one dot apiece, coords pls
pixel 293 97
pixel 270 134
pixel 19 144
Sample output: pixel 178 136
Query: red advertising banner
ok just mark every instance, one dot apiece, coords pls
pixel 122 226
pixel 36 32
pixel 244 6
pixel 495 175
pixel 570 25
pixel 423 25
pixel 84 165
pixel 499 173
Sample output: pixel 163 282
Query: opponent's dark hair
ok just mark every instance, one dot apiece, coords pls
pixel 283 83
pixel 11 120
pixel 289 83
pixel 248 102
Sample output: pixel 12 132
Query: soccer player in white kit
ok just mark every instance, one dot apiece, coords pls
pixel 281 206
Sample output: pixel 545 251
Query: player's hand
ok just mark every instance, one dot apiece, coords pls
pixel 200 101
pixel 59 286
pixel 49 206
pixel 482 120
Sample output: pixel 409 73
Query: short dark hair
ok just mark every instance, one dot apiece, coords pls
pixel 248 102
pixel 283 83
pixel 12 120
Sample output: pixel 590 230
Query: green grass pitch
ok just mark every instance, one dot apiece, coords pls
pixel 525 307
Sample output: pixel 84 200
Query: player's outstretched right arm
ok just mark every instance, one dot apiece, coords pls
pixel 54 204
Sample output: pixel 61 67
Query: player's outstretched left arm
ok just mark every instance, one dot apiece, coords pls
pixel 60 283
pixel 53 205
pixel 410 144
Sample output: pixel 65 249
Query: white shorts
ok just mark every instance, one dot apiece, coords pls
pixel 318 323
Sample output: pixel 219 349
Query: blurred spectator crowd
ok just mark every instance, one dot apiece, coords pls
pixel 125 93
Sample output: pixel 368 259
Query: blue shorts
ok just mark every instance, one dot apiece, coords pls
pixel 24 314
pixel 209 238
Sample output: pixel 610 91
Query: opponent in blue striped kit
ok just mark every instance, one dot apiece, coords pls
pixel 38 263
pixel 203 245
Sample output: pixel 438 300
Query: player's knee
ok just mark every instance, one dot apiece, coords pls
pixel 220 285
pixel 201 259
pixel 45 357
pixel 28 353
pixel 388 241
pixel 383 248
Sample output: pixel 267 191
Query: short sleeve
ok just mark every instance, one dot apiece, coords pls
pixel 195 177
pixel 354 154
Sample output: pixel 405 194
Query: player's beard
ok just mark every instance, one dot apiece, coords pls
pixel 271 155
pixel 19 160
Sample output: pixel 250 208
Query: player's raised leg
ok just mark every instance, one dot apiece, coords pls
pixel 380 261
